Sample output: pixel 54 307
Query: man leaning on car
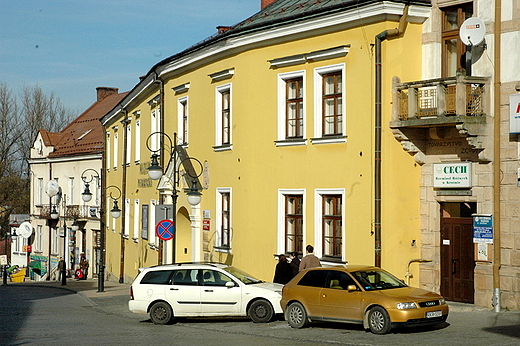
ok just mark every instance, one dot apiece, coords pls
pixel 310 260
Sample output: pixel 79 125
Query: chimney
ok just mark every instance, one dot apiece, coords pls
pixel 103 92
pixel 265 3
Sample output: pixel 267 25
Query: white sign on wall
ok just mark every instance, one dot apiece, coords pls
pixel 514 113
pixel 452 175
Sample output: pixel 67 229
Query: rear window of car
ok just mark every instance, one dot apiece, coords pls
pixel 156 277
pixel 313 278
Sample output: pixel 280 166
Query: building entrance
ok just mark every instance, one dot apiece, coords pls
pixel 457 252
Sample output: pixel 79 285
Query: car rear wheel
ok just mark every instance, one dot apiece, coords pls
pixel 379 321
pixel 161 313
pixel 261 311
pixel 296 315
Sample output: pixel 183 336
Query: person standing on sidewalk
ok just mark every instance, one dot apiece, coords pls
pixel 61 268
pixel 310 260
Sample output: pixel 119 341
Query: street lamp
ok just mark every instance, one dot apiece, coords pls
pixel 53 189
pixel 155 172
pixel 88 176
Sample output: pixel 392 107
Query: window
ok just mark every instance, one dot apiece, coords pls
pixel 332 225
pixel 71 191
pixel 339 280
pixel 39 239
pixel 126 226
pixel 40 191
pixel 223 116
pixel 186 277
pixel 183 120
pixel 55 241
pixel 453 50
pixel 151 223
pixel 314 278
pixel 294 223
pixel 137 150
pixel 291 108
pixel 224 218
pixel 116 149
pixel 144 221
pixel 330 108
pixel 108 150
pixel 332 104
pixel 137 208
pixel 214 278
pixel 128 144
pixel 157 277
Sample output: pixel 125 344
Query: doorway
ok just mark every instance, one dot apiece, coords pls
pixel 457 252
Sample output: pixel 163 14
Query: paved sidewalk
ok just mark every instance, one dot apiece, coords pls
pixel 88 288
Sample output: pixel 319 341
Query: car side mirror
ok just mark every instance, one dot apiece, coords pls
pixel 230 284
pixel 351 288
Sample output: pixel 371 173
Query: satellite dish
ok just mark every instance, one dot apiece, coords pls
pixel 472 31
pixel 25 230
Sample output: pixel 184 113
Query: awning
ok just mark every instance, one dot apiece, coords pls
pixel 38 267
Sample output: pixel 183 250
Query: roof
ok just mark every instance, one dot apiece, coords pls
pixel 84 135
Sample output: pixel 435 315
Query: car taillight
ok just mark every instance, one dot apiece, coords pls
pixel 131 293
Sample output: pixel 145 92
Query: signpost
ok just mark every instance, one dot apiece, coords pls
pixel 165 229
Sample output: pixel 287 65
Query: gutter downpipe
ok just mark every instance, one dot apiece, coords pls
pixel 159 80
pixel 378 132
pixel 496 158
pixel 123 197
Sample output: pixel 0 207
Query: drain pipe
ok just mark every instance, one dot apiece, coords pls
pixel 378 132
pixel 496 159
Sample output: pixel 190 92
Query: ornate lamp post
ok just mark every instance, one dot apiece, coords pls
pixel 88 176
pixel 178 158
pixel 53 189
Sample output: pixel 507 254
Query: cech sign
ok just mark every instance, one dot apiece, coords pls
pixel 452 175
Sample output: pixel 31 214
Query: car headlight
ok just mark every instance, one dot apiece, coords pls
pixel 406 306
pixel 442 301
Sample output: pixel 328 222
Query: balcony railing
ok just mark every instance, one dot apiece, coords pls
pixel 439 101
pixel 71 212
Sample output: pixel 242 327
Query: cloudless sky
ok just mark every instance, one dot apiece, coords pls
pixel 70 47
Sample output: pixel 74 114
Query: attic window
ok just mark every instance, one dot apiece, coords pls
pixel 83 135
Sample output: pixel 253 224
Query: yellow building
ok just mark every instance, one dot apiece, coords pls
pixel 281 112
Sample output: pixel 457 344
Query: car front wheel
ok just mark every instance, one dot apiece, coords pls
pixel 161 313
pixel 379 321
pixel 296 315
pixel 261 311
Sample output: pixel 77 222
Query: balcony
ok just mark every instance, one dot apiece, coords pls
pixel 442 109
pixel 71 212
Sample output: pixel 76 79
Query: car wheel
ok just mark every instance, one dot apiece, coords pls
pixel 161 313
pixel 379 321
pixel 261 311
pixel 296 315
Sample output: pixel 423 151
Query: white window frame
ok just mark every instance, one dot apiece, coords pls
pixel 318 237
pixel 127 218
pixel 116 149
pixel 318 111
pixel 137 153
pixel 39 238
pixel 218 117
pixel 137 219
pixel 182 105
pixel 55 241
pixel 218 222
pixel 281 216
pixel 108 150
pixel 71 191
pixel 282 123
pixel 40 192
pixel 128 157
pixel 151 224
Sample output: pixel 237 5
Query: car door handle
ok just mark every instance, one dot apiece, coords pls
pixel 174 289
pixel 208 290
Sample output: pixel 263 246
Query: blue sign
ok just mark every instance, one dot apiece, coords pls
pixel 165 229
pixel 483 229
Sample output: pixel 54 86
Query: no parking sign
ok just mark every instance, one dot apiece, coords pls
pixel 165 229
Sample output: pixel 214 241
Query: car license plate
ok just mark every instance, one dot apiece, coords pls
pixel 432 314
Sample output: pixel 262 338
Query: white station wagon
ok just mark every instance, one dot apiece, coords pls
pixel 202 290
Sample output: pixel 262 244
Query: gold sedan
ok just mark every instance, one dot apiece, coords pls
pixel 359 294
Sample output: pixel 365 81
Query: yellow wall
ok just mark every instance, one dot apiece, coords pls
pixel 256 168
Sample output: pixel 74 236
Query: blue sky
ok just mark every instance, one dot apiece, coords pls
pixel 70 47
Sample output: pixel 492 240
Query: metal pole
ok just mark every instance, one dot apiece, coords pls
pixel 64 272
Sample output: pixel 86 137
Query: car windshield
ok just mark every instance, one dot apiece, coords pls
pixel 242 276
pixel 377 280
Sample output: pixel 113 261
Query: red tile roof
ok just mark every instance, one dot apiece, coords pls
pixel 84 135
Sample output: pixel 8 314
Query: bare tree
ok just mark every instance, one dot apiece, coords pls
pixel 20 121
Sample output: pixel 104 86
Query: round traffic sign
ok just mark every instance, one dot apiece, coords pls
pixel 165 229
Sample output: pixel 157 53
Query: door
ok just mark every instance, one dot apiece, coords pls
pixel 337 303
pixel 184 293
pixel 457 259
pixel 218 299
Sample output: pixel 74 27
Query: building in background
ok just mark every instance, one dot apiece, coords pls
pixel 63 158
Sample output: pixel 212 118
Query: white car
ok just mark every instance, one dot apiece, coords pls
pixel 202 290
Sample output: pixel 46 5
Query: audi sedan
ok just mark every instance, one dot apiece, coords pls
pixel 359 294
pixel 202 290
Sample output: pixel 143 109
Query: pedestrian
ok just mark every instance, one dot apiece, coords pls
pixel 283 272
pixel 61 268
pixel 295 262
pixel 310 260
pixel 83 266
